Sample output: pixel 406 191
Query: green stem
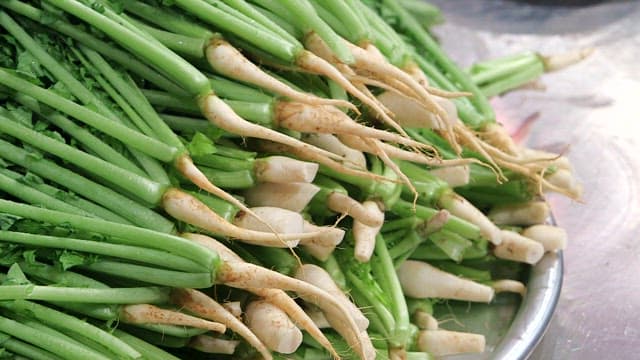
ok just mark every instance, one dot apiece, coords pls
pixel 133 253
pixel 82 135
pixel 79 34
pixel 136 140
pixel 144 188
pixel 72 324
pixel 185 45
pixel 251 32
pixel 148 351
pixel 135 236
pixel 88 207
pixel 35 197
pixel 175 67
pixel 47 342
pixel 241 179
pixel 142 295
pixel 152 275
pixel 24 349
pixel 102 195
pixel 383 266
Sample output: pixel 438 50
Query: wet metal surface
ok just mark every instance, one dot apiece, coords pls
pixel 594 108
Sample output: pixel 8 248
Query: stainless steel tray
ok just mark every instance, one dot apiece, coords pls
pixel 512 326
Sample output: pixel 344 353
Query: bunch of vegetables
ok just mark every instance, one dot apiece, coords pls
pixel 292 179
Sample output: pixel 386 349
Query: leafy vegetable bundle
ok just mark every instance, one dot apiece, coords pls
pixel 254 179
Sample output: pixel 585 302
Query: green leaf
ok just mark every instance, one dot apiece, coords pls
pixel 69 259
pixel 15 276
pixel 200 144
pixel 28 66
pixel 31 179
pixel 7 221
pixel 30 257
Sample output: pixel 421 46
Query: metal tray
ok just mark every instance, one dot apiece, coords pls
pixel 513 327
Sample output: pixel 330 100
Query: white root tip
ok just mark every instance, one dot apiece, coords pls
pixel 283 221
pixel 212 345
pixel 273 327
pixel 149 314
pixel 532 155
pixel 317 276
pixel 318 317
pixel 460 207
pixel 290 196
pixel 455 176
pixel 508 285
pixel 210 243
pixel 228 61
pixel 560 61
pixel 364 235
pixel 282 169
pixel 233 307
pixel 551 237
pixel 496 135
pixel 187 208
pixel 425 321
pixel 322 246
pixel 408 112
pixel 421 280
pixel 444 342
pixel 332 144
pixel 328 235
pixel 344 204
pixel 516 247
pixel 564 179
pixel 529 213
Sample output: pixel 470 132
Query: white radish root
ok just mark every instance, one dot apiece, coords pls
pixel 421 280
pixel 344 204
pixel 331 143
pixel 185 165
pixel 273 327
pixel 563 179
pixel 228 61
pixel 310 156
pixel 275 296
pixel 551 237
pixel 282 169
pixel 319 277
pixel 444 342
pixel 516 247
pixel 221 115
pixel 319 65
pixel 329 236
pixel 496 135
pixel 187 208
pixel 150 314
pixel 198 303
pixel 329 120
pixel 453 175
pixel 234 307
pixel 408 112
pixel 318 317
pixel 508 285
pixel 425 321
pixel 244 275
pixel 212 345
pixel 560 61
pixel 365 235
pixel 283 221
pixel 460 207
pixel 559 161
pixel 384 70
pixel 529 213
pixel 291 196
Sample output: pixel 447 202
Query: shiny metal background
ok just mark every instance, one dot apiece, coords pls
pixel 594 109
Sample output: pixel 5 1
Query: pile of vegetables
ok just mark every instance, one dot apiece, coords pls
pixel 293 179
